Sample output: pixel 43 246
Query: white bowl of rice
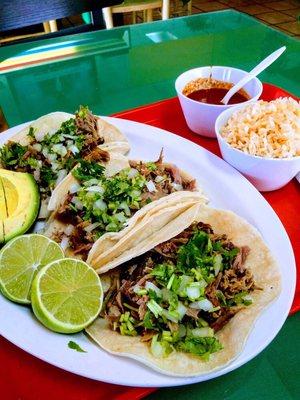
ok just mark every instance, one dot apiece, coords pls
pixel 262 141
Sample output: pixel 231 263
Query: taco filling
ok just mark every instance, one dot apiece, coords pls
pixel 50 157
pixel 178 295
pixel 97 204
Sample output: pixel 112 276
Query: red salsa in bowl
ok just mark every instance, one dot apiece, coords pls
pixel 212 91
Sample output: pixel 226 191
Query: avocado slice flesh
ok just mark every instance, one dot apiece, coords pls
pixel 19 203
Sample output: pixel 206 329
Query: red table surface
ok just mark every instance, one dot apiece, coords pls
pixel 24 377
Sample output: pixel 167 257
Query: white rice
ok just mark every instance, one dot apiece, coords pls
pixel 266 129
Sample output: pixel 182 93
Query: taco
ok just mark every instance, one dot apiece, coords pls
pixel 186 306
pixel 53 144
pixel 108 201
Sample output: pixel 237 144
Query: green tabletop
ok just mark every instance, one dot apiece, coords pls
pixel 130 66
pixel 272 375
pixel 133 65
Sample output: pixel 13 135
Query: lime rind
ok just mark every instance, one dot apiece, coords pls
pixel 20 259
pixel 66 295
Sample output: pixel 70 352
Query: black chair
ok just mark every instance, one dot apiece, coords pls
pixel 16 14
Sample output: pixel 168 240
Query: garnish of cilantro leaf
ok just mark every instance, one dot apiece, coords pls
pixel 74 346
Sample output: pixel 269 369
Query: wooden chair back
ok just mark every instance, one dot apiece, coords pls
pixel 147 6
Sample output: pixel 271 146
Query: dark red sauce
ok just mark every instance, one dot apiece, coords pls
pixel 215 95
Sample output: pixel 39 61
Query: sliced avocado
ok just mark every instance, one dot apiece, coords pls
pixel 3 213
pixel 19 203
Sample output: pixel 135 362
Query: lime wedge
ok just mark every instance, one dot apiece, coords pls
pixel 20 259
pixel 66 295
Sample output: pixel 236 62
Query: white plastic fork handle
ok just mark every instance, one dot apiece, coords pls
pixel 254 72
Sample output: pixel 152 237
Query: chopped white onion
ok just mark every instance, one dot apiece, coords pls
pixel 74 149
pixel 105 283
pixel 136 193
pixel 150 285
pixel 203 332
pixel 52 157
pixel 77 203
pixel 217 263
pixel 100 205
pixel 91 227
pixel 169 316
pixel 95 189
pixel 193 293
pixel 54 166
pixel 159 178
pixel 150 186
pixel 69 136
pixel 69 229
pixel 91 182
pixel 64 244
pixel 137 288
pixel 185 280
pixel 45 152
pixel 74 188
pixel 181 309
pixel 177 186
pixel 59 149
pixel 61 175
pixel 132 173
pixel 158 349
pixel 204 305
pixel 37 174
pixel 121 217
pixel 37 146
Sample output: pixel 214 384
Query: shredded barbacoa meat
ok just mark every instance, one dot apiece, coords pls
pixel 80 241
pixel 97 155
pixel 169 172
pixel 87 125
pixel 40 159
pixel 236 279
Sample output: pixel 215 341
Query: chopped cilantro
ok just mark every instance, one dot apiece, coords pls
pixel 31 132
pixel 47 177
pixel 11 155
pixel 202 346
pixel 74 346
pixel 88 170
pixel 54 152
pixel 82 112
pixel 163 273
pixel 109 201
pixel 151 166
pixel 67 128
pixel 197 253
pixel 148 320
pixel 239 299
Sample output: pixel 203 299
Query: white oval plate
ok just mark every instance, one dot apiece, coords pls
pixel 227 189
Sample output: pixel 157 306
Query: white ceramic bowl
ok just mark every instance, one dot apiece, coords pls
pixel 201 117
pixel 266 174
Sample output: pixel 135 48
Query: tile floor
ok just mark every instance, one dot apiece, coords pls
pixel 282 15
